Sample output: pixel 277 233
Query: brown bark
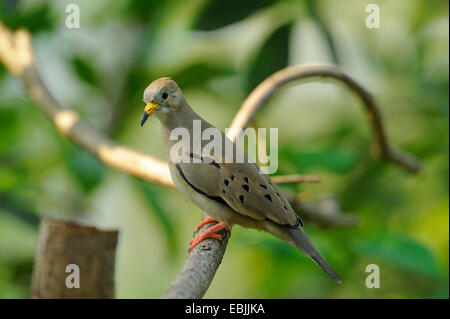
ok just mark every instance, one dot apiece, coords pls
pixel 61 244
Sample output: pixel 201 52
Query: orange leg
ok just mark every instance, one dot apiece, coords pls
pixel 206 220
pixel 209 233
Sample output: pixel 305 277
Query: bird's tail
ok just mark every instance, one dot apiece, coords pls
pixel 302 242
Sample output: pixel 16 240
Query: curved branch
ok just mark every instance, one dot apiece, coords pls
pixel 269 86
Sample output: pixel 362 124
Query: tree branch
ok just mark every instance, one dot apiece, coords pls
pixel 199 268
pixel 269 86
pixel 296 178
pixel 17 55
pixel 326 213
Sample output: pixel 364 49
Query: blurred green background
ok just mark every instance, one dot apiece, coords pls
pixel 218 51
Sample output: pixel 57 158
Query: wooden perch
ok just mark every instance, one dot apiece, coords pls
pixel 17 55
pixel 199 268
pixel 66 249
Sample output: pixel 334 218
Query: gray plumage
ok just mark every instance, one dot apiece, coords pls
pixel 236 193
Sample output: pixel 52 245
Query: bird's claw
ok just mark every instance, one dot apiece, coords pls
pixel 206 220
pixel 209 233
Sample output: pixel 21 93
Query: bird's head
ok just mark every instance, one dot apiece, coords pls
pixel 162 96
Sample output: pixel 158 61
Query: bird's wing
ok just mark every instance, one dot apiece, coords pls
pixel 251 192
pixel 241 186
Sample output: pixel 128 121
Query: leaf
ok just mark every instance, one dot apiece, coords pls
pixel 272 57
pixel 87 169
pixel 144 10
pixel 314 12
pixel 35 18
pixel 84 70
pixel 220 13
pixel 8 127
pixel 402 252
pixel 197 75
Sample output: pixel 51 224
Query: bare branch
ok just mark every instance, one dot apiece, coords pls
pixel 296 178
pixel 17 55
pixel 326 213
pixel 269 86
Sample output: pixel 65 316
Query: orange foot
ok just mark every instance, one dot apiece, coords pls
pixel 206 220
pixel 209 233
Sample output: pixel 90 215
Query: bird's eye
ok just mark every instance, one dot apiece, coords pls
pixel 165 95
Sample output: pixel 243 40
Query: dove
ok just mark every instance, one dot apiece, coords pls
pixel 229 191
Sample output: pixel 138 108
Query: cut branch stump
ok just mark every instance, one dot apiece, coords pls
pixel 70 255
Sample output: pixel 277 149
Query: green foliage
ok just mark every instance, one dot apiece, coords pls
pixel 8 127
pixel 87 170
pixel 272 57
pixel 198 75
pixel 85 70
pixel 144 10
pixel 402 252
pixel 36 19
pixel 329 159
pixel 14 278
pixel 220 13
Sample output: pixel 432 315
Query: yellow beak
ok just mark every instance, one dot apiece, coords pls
pixel 149 110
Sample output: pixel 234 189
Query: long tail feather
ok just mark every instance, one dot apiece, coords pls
pixel 302 242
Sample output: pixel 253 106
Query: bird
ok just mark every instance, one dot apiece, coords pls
pixel 230 192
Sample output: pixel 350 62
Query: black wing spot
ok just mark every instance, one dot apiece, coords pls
pixel 223 191
pixel 246 179
pixel 245 186
pixel 263 186
pixel 226 181
pixel 232 177
pixel 278 194
pixel 268 197
pixel 285 207
pixel 241 198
